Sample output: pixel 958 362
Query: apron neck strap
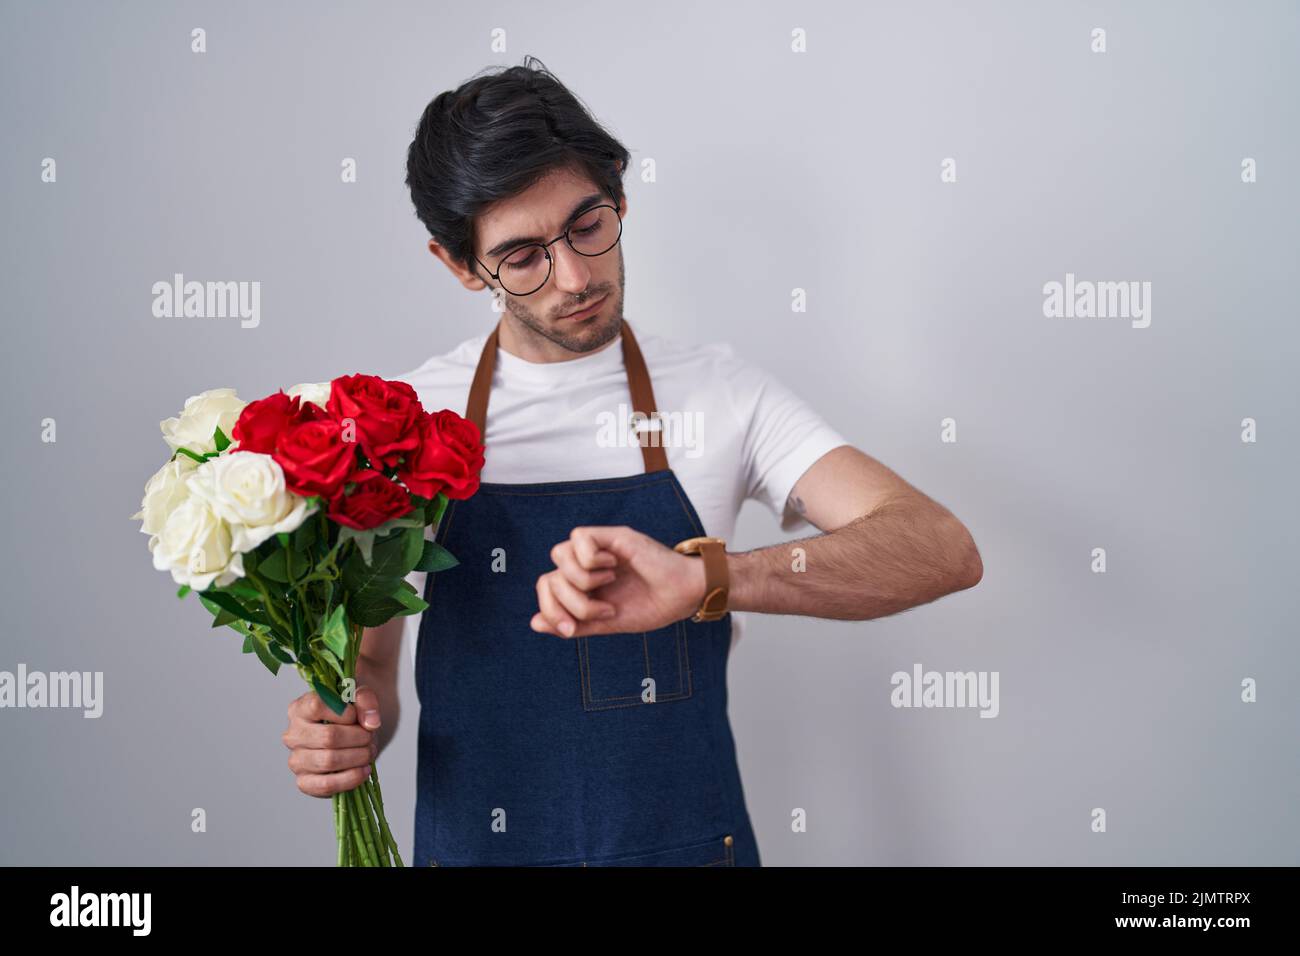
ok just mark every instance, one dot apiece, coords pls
pixel 638 381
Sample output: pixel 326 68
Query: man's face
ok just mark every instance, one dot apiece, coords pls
pixel 576 281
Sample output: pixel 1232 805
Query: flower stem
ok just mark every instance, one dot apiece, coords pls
pixel 377 796
pixel 367 827
pixel 350 844
pixel 358 838
pixel 338 831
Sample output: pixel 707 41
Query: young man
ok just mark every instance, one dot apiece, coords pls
pixel 572 667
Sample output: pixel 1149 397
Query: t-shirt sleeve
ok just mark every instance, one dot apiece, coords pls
pixel 784 436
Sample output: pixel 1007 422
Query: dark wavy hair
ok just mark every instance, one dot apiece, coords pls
pixel 494 137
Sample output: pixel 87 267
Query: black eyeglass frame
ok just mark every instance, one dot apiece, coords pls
pixel 546 249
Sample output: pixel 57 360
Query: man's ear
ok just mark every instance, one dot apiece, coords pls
pixel 465 276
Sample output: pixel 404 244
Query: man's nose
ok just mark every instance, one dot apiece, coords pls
pixel 572 271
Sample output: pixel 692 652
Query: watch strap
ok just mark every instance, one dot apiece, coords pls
pixel 717 576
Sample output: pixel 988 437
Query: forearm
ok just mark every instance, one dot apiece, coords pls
pixel 381 677
pixel 908 552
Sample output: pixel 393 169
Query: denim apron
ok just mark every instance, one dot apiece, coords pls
pixel 540 750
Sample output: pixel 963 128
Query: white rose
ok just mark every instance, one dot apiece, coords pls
pixel 194 546
pixel 317 394
pixel 163 492
pixel 247 491
pixel 203 414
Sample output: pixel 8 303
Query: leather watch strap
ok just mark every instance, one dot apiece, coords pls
pixel 717 575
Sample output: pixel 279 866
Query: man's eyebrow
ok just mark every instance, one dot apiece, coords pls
pixel 582 206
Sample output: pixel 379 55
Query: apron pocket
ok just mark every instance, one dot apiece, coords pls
pixel 614 668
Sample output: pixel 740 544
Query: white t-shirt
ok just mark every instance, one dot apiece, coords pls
pixel 731 430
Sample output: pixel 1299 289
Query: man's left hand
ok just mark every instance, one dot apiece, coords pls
pixel 616 580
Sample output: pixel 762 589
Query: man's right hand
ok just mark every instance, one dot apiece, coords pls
pixel 330 753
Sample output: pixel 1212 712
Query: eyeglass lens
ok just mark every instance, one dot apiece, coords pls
pixel 527 268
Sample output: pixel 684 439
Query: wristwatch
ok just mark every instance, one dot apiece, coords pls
pixel 717 579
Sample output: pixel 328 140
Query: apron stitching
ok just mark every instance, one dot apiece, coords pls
pixel 686 510
pixel 684 686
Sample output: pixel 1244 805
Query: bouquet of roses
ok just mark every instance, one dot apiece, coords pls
pixel 296 518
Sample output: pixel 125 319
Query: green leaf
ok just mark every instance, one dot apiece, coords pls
pixel 412 549
pixel 239 627
pixel 368 539
pixel 279 652
pixel 223 618
pixel 409 598
pixel 372 609
pixel 299 641
pixel 190 454
pixel 304 536
pixel 434 510
pixel 365 540
pixel 264 654
pixel 435 558
pixel 393 557
pixel 335 632
pixel 184 590
pixel 330 659
pixel 220 440
pixel 244 591
pixel 248 643
pixel 230 603
pixel 332 700
pixel 274 567
pixel 370 586
pixel 283 538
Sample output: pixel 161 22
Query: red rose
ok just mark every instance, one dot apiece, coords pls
pixel 315 457
pixel 386 415
pixel 448 459
pixel 261 422
pixel 374 500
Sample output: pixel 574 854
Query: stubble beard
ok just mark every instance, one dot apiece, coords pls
pixel 574 337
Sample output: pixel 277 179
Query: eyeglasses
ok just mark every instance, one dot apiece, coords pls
pixel 527 269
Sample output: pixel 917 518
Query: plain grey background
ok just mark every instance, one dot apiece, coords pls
pixel 775 170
